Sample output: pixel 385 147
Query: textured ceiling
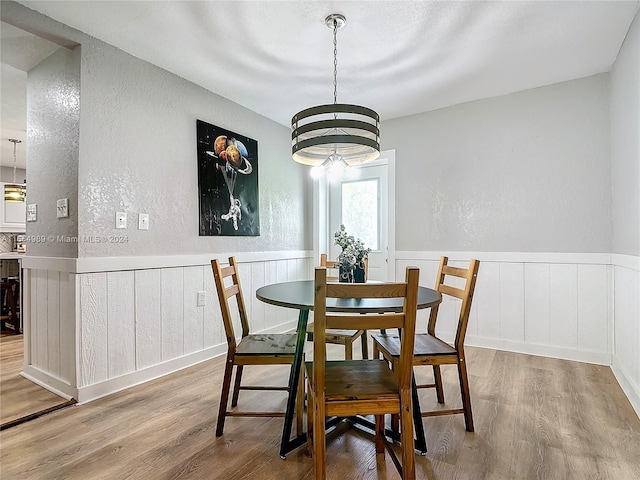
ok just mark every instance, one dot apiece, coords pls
pixel 399 57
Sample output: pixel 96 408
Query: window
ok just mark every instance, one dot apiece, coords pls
pixel 361 211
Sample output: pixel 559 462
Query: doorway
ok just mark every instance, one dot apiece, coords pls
pixel 364 201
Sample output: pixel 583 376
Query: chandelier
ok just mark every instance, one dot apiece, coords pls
pixel 336 134
pixel 15 192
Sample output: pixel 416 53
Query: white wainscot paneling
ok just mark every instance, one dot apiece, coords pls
pixel 511 301
pixel 172 311
pixel 487 300
pixel 627 328
pixel 93 329
pixel 148 318
pixel 136 324
pixel 193 314
pixel 539 305
pixel 564 305
pixel 593 310
pixel 121 330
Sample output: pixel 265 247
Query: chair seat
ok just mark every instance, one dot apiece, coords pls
pixel 358 380
pixel 425 344
pixel 277 344
pixel 336 333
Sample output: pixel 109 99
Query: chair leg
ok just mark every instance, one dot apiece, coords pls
pixel 224 395
pixel 464 393
pixel 236 387
pixel 364 338
pixel 376 353
pixel 319 440
pixel 437 377
pixel 406 436
pixel 348 350
pixel 379 433
pixel 311 414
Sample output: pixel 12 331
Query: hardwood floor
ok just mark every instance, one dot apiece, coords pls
pixel 536 418
pixel 20 398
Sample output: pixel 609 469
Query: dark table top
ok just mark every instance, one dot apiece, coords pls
pixel 299 295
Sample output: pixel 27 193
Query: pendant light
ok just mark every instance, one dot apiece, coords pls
pixel 338 134
pixel 14 192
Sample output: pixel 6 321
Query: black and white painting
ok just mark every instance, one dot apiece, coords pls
pixel 227 182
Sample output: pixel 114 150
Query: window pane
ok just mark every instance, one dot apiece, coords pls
pixel 360 211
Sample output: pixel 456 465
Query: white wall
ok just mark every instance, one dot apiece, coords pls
pixel 625 167
pixel 526 172
pixel 53 131
pixel 138 154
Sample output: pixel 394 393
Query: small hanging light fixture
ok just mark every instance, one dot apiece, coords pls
pixel 338 134
pixel 15 192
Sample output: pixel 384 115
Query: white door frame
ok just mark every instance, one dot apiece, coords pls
pixel 321 234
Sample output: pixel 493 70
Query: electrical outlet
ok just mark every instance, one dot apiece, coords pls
pixel 202 298
pixel 121 220
pixel 62 208
pixel 143 221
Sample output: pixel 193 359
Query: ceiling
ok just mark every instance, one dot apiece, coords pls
pixel 398 57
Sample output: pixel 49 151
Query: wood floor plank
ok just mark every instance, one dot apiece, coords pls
pixel 535 418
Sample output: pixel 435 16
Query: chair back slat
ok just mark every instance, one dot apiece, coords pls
pixel 220 274
pixel 360 322
pixel 364 290
pixel 464 294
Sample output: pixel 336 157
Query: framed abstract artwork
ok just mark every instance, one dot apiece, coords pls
pixel 227 182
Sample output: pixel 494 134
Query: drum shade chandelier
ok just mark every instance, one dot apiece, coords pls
pixel 336 134
pixel 15 192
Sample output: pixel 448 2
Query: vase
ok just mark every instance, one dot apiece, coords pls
pixel 346 275
pixel 359 275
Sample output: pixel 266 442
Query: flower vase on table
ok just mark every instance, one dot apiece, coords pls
pixel 352 259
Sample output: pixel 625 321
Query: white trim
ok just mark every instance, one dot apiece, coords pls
pixel 516 257
pixel 631 391
pixel 48 382
pixel 626 261
pixel 115 264
pixel 597 358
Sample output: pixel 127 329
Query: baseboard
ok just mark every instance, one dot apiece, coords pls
pixel 631 391
pixel 113 385
pixel 48 382
pixel 563 353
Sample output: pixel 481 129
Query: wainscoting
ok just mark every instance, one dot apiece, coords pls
pixel 102 325
pixel 130 325
pixel 581 307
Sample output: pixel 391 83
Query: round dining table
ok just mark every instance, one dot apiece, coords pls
pixel 300 296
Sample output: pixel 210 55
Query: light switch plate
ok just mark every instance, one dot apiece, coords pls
pixel 143 221
pixel 121 219
pixel 31 212
pixel 62 208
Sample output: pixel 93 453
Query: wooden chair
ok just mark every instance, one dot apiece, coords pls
pixel 362 387
pixel 341 336
pixel 266 349
pixel 430 350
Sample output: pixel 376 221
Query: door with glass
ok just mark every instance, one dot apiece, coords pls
pixel 360 201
